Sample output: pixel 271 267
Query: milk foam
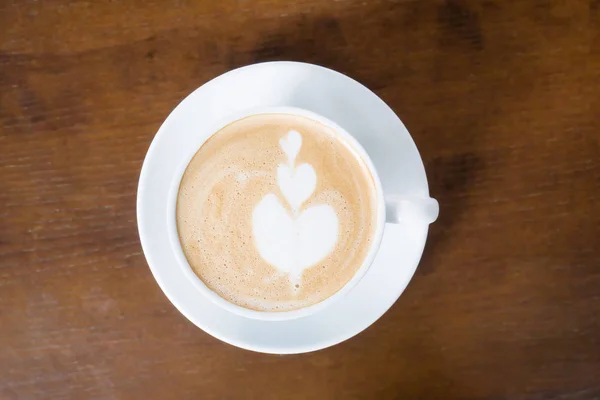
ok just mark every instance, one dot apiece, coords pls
pixel 292 242
pixel 259 243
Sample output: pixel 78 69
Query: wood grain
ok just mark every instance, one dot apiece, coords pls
pixel 502 98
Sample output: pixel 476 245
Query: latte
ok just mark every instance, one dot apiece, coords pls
pixel 276 212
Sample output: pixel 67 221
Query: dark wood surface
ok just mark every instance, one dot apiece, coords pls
pixel 502 98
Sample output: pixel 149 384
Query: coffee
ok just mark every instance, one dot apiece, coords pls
pixel 276 212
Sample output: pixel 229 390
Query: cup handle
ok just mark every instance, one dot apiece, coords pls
pixel 404 209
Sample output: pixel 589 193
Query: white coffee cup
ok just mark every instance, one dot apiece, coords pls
pixel 391 208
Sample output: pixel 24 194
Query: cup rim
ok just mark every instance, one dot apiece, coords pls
pixel 274 315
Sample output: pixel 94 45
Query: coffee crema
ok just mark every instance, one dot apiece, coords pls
pixel 276 212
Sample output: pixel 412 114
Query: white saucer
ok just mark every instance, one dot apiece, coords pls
pixel 352 106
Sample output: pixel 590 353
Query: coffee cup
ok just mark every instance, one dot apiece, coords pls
pixel 284 209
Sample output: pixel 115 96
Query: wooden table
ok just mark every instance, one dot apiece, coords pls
pixel 502 98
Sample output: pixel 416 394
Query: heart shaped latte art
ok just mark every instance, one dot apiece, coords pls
pixel 297 184
pixel 290 145
pixel 292 242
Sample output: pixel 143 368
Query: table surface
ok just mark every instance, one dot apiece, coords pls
pixel 502 99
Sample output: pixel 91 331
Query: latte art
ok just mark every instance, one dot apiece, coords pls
pixel 292 243
pixel 276 212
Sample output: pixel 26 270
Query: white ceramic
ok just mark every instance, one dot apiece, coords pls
pixel 325 95
pixel 399 208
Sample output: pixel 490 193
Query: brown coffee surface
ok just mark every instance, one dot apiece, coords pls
pixel 228 177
